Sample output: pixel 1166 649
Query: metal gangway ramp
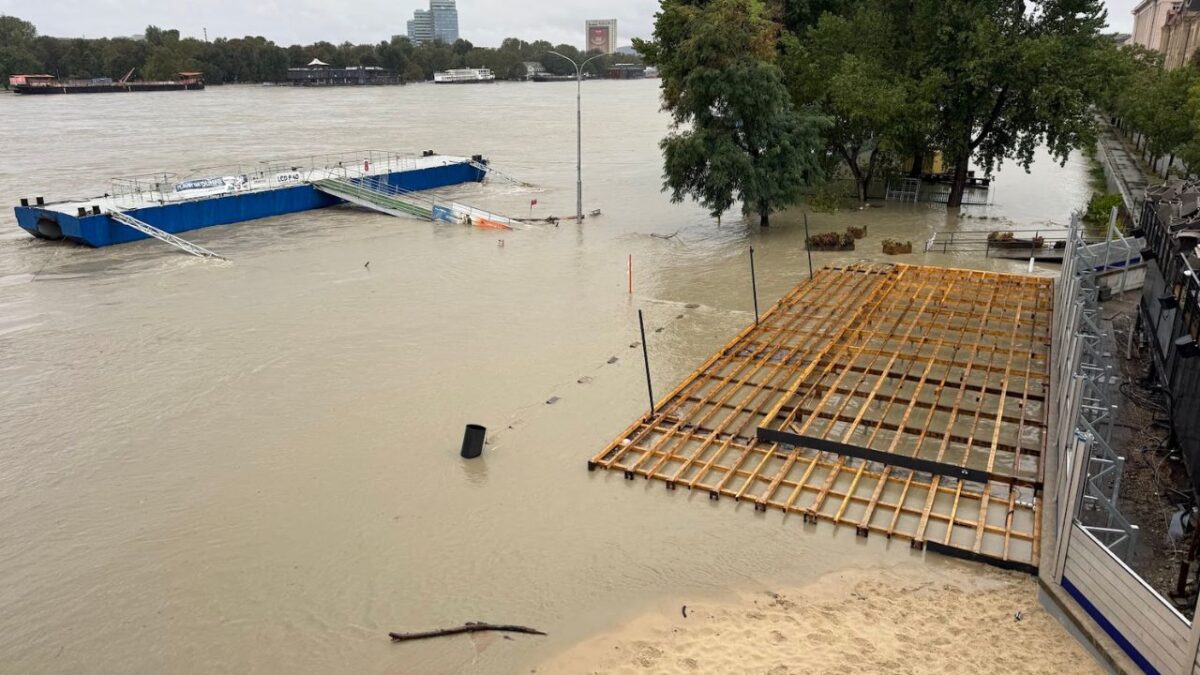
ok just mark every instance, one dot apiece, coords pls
pixel 378 195
pixel 149 230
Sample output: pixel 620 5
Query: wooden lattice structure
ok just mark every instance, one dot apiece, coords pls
pixel 906 401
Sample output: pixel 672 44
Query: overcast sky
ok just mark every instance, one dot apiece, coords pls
pixel 484 22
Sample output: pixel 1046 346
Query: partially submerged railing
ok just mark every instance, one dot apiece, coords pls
pixel 903 189
pixel 1034 242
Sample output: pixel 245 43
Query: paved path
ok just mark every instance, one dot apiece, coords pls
pixel 1122 168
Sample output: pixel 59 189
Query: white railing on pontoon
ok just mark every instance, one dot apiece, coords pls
pixel 162 188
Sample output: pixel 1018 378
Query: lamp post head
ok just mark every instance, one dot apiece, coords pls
pixel 564 56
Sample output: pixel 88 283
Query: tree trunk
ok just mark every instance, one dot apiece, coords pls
pixel 1167 171
pixel 851 158
pixel 860 182
pixel 872 163
pixel 918 165
pixel 764 217
pixel 960 183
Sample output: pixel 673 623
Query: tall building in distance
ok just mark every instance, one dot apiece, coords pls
pixel 445 20
pixel 439 22
pixel 420 27
pixel 600 35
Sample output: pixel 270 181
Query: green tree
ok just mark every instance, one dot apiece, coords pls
pixel 1015 75
pixel 1189 151
pixel 1166 113
pixel 736 135
pixel 18 53
pixel 82 59
pixel 395 55
pixel 121 55
pixel 433 57
pixel 853 69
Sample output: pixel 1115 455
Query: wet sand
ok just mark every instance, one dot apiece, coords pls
pixel 935 617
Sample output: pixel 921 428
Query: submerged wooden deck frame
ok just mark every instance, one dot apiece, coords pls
pixel 906 401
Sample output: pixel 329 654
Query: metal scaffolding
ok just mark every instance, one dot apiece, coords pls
pixel 1087 376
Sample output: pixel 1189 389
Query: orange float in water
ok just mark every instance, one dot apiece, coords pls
pixel 482 222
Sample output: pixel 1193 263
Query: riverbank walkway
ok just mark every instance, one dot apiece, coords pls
pixel 901 400
pixel 1122 169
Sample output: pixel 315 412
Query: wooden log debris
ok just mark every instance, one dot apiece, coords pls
pixel 469 627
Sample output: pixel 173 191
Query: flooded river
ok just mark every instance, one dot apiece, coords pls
pixel 252 466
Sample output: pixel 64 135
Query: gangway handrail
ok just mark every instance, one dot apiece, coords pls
pixel 390 202
pixel 162 235
pixel 373 183
pixel 376 182
pixel 343 186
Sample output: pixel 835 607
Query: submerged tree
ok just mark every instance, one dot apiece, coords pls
pixel 1015 75
pixel 855 69
pixel 736 134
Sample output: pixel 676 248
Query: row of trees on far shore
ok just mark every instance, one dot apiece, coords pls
pixel 772 97
pixel 159 54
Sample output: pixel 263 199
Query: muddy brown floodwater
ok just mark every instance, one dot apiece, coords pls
pixel 252 467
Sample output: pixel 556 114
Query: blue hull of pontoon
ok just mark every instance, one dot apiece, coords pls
pixel 100 230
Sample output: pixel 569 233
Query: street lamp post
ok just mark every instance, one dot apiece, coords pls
pixel 578 131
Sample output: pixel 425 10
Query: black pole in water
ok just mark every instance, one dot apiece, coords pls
pixel 473 438
pixel 807 247
pixel 754 285
pixel 646 359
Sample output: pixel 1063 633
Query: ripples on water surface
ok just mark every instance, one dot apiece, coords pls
pixel 252 467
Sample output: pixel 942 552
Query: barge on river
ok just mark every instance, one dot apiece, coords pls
pixel 162 205
pixel 48 84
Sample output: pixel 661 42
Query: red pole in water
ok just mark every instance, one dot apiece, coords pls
pixel 631 274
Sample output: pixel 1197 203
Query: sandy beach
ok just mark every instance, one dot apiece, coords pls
pixel 936 617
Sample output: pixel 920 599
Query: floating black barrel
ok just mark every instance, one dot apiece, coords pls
pixel 24 201
pixel 473 438
pixel 41 201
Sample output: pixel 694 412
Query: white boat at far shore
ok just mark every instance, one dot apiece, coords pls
pixel 464 76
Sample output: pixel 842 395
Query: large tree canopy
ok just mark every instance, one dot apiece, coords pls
pixel 17 47
pixel 983 81
pixel 736 134
pixel 856 70
pixel 1014 75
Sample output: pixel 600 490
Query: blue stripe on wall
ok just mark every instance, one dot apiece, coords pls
pixel 1109 628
